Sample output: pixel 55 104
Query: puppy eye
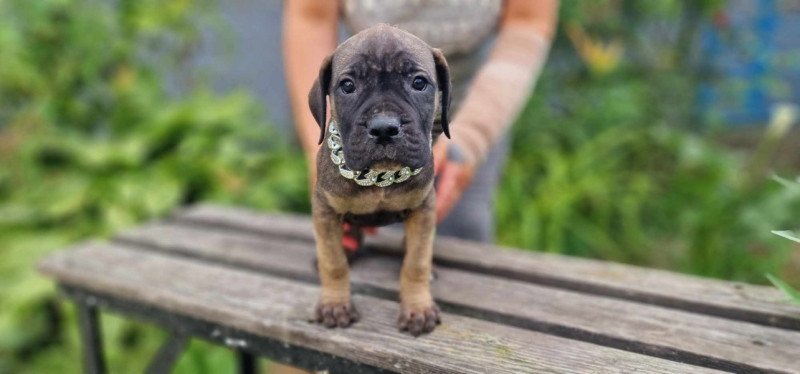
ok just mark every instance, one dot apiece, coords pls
pixel 419 83
pixel 347 86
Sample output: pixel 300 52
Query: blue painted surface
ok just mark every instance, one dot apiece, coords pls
pixel 748 58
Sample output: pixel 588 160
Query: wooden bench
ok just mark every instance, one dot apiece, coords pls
pixel 245 280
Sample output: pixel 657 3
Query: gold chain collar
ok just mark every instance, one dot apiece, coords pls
pixel 366 177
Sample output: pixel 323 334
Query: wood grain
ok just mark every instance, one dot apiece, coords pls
pixel 279 308
pixel 667 333
pixel 733 300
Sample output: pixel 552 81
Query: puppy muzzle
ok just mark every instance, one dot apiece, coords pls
pixel 367 177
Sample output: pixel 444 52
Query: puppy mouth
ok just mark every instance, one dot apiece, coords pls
pixel 363 155
pixel 373 154
pixel 383 163
pixel 386 165
pixel 382 157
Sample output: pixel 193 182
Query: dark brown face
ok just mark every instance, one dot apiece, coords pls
pixel 383 86
pixel 385 106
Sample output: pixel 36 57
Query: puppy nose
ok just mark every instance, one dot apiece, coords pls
pixel 384 127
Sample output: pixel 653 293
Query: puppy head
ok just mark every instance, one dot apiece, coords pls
pixel 385 85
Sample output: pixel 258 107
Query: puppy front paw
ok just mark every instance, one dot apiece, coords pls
pixel 336 314
pixel 419 320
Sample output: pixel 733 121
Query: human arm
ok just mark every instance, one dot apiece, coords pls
pixel 497 94
pixel 309 35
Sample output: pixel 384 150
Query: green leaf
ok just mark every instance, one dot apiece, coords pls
pixel 786 182
pixel 791 293
pixel 788 235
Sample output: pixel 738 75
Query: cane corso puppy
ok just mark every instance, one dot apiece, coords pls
pixel 389 96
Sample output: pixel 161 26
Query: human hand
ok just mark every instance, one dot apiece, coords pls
pixel 453 176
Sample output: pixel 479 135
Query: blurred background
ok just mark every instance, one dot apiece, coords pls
pixel 660 134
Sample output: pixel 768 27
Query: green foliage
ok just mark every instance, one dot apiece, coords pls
pixel 91 143
pixel 788 235
pixel 791 293
pixel 615 185
pixel 608 166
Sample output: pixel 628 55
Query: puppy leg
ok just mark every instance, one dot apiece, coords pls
pixel 334 307
pixel 419 313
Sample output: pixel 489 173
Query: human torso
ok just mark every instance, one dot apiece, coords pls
pixel 462 29
pixel 455 26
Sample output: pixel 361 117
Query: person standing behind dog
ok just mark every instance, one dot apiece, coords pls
pixel 495 50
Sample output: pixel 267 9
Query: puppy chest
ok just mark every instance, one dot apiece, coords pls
pixel 377 205
pixel 379 218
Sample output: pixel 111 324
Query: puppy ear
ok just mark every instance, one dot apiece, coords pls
pixel 443 81
pixel 317 97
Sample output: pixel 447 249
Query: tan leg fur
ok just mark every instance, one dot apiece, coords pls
pixel 334 307
pixel 419 313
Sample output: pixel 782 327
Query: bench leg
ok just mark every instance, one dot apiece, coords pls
pixel 247 362
pixel 93 360
pixel 168 354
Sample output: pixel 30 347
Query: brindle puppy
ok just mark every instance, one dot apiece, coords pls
pixel 389 95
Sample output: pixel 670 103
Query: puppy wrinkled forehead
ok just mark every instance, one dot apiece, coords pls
pixel 383 48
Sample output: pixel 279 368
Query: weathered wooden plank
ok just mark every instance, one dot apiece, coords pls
pixel 660 332
pixel 280 308
pixel 246 343
pixel 734 300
